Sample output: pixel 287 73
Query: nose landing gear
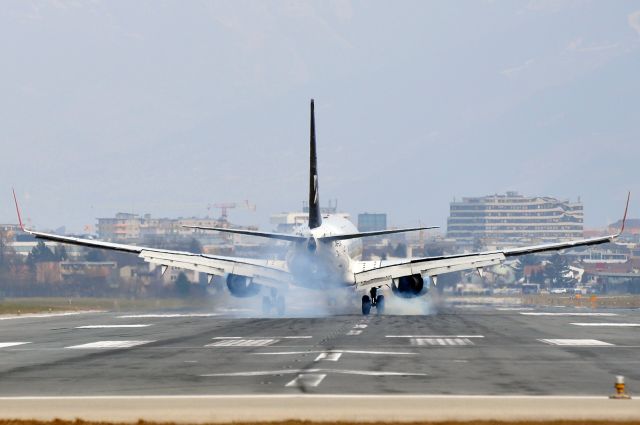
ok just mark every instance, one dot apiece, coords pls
pixel 374 300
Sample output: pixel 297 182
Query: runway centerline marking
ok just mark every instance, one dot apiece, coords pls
pixel 434 336
pixel 292 371
pixel 360 326
pixel 354 332
pixel 564 313
pixel 622 325
pixel 109 344
pixel 112 326
pixel 12 344
pixel 577 342
pixel 307 380
pixel 242 343
pixel 284 353
pixel 263 337
pixel 331 357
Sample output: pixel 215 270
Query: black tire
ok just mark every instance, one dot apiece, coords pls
pixel 266 305
pixel 280 305
pixel 380 304
pixel 366 305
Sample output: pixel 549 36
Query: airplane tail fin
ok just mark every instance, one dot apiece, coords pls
pixel 15 199
pixel 315 218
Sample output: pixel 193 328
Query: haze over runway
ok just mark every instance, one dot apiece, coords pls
pixel 111 107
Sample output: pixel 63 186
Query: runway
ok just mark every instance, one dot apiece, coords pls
pixel 463 350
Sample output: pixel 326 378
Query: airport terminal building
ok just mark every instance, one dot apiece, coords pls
pixel 512 219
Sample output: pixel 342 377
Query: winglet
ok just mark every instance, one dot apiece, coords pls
pixel 624 218
pixel 15 199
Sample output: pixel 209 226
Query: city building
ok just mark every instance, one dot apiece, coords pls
pixel 368 222
pixel 512 219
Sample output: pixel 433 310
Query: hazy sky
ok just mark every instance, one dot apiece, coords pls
pixel 167 106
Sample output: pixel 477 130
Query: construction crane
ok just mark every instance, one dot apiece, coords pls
pixel 226 206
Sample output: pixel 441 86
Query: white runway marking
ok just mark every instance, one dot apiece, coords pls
pixel 162 316
pixel 623 325
pixel 263 337
pixel 441 341
pixel 434 336
pixel 111 326
pixel 566 314
pixel 331 357
pixel 514 309
pixel 11 344
pixel 360 326
pixel 109 344
pixel 243 343
pixel 307 380
pixel 290 371
pixel 284 353
pixel 576 342
pixel 354 332
pixel 45 315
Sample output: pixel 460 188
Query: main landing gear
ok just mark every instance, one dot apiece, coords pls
pixel 374 300
pixel 273 301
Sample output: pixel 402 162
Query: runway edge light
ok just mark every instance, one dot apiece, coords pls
pixel 620 389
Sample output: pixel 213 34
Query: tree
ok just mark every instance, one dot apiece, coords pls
pixel 523 261
pixel 557 271
pixel 195 246
pixel 400 250
pixel 95 255
pixel 60 252
pixel 182 285
pixel 40 254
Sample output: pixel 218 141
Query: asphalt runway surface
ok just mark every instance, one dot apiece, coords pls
pixel 465 349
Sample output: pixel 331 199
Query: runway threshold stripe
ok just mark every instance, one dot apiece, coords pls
pixel 111 326
pixel 613 325
pixel 108 345
pixel 11 344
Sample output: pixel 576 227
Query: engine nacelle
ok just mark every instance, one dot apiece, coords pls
pixel 242 286
pixel 409 286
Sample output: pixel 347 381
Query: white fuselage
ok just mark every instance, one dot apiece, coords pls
pixel 325 264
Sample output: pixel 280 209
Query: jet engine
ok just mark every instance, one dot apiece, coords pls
pixel 242 286
pixel 408 286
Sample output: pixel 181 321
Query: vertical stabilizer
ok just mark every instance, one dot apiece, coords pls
pixel 315 218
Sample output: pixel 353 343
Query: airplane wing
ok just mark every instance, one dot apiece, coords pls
pixel 381 274
pixel 266 272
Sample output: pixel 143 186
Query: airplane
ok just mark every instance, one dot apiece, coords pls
pixel 324 255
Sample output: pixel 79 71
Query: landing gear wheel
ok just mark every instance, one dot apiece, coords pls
pixel 280 305
pixel 366 305
pixel 380 304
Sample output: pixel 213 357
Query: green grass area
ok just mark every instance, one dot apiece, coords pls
pixel 46 305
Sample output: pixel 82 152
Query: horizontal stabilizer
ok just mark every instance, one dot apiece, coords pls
pixel 270 235
pixel 373 233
